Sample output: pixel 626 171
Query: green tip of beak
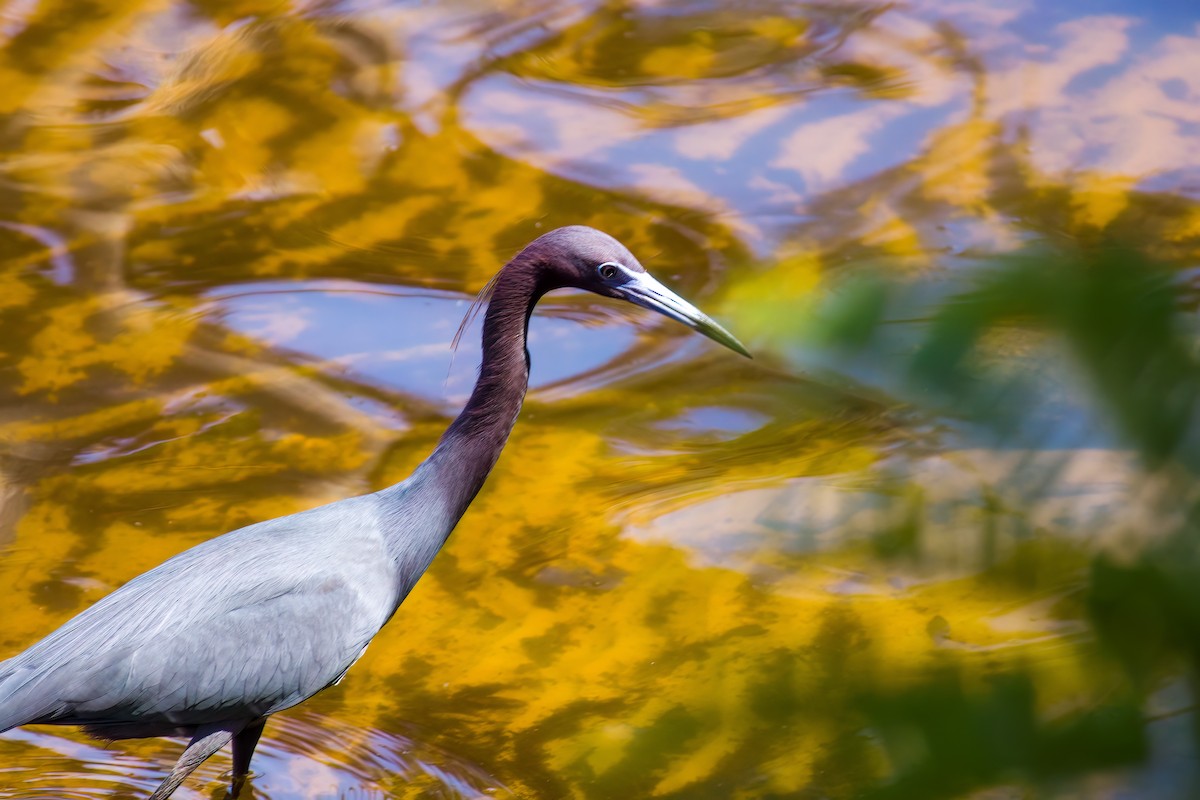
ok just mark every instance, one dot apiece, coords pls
pixel 721 336
pixel 643 290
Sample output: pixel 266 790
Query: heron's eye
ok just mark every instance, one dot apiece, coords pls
pixel 608 271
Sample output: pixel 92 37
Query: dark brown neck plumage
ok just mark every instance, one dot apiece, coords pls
pixel 471 445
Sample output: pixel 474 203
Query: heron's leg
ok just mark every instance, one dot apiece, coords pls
pixel 243 750
pixel 208 740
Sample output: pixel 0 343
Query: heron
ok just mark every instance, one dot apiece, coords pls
pixel 211 642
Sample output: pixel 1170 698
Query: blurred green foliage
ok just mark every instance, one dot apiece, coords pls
pixel 1121 317
pixel 947 738
pixel 1102 332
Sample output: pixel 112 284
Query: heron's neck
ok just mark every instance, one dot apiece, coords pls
pixel 453 474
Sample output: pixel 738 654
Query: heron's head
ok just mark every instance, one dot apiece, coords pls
pixel 585 258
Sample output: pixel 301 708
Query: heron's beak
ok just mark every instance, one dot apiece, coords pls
pixel 646 292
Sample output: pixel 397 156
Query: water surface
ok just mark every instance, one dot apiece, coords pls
pixel 236 240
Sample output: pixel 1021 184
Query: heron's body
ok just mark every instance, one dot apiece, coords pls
pixel 212 641
pixel 199 638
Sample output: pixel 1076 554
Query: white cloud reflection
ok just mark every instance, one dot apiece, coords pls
pixel 821 151
pixel 1113 94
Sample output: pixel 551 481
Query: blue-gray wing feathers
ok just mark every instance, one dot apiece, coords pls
pixel 238 627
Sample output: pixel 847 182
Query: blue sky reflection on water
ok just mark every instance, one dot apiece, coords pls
pixel 1110 89
pixel 348 327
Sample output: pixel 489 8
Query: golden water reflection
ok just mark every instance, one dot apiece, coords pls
pixel 237 238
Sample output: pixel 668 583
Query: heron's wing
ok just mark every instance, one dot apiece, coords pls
pixel 262 657
pixel 247 624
